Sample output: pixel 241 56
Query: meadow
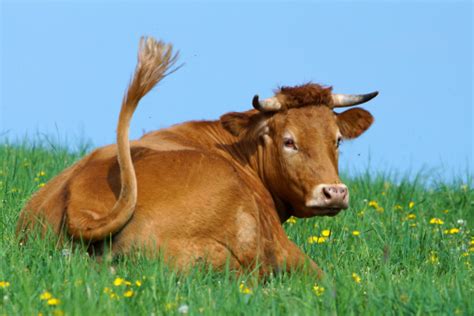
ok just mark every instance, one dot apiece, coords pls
pixel 405 247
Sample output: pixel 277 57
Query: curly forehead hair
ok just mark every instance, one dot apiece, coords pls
pixel 306 94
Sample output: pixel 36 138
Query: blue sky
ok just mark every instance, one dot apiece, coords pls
pixel 65 66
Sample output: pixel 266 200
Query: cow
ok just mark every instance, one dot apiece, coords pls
pixel 206 191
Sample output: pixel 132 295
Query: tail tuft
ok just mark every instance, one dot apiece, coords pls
pixel 155 61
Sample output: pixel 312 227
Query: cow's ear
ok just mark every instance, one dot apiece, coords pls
pixel 354 122
pixel 235 122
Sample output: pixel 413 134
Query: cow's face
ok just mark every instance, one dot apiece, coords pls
pixel 299 135
pixel 302 149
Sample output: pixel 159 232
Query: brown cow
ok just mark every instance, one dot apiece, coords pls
pixel 212 191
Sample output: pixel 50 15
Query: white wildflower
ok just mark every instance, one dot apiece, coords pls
pixel 183 309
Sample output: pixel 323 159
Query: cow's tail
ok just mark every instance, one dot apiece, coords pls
pixel 155 62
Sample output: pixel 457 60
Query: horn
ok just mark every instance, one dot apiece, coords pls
pixel 344 100
pixel 268 105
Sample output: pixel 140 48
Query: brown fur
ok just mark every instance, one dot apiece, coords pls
pixel 213 191
pixel 304 95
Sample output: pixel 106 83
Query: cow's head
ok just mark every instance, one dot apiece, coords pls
pixel 300 134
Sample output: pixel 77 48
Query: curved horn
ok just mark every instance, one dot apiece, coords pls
pixel 268 105
pixel 344 100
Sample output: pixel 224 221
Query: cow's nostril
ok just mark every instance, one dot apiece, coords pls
pixel 327 192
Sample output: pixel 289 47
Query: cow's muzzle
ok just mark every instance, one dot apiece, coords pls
pixel 329 196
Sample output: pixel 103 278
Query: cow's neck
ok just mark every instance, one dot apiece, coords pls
pixel 259 160
pixel 251 157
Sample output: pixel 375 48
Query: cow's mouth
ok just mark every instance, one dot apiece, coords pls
pixel 325 211
pixel 311 211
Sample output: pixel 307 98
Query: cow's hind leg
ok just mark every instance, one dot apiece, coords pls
pixel 183 253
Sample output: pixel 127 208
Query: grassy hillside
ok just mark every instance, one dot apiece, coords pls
pixel 401 248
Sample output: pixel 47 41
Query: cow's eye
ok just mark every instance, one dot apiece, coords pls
pixel 339 141
pixel 289 143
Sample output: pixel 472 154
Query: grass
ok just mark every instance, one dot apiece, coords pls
pixel 399 264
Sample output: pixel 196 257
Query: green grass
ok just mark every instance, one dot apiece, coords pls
pixel 404 269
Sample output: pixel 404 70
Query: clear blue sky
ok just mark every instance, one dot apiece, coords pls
pixel 65 66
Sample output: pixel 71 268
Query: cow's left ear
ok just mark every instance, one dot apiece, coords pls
pixel 354 122
pixel 235 122
pixel 250 124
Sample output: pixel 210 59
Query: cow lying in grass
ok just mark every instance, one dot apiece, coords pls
pixel 212 191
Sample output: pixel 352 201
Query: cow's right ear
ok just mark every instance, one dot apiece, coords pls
pixel 354 122
pixel 235 122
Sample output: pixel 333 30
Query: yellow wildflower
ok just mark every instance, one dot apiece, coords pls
pixel 58 312
pixel 291 220
pixel 411 204
pixel 398 207
pixel 468 265
pixel 316 239
pixel 413 225
pixel 356 233
pixel 244 289
pixel 318 290
pixel 361 213
pixel 138 283
pixel 373 204
pixel 127 283
pixel 436 221
pixel 4 284
pixel 356 277
pixel 471 242
pixel 107 290
pixel 169 306
pixel 453 231
pixel 41 174
pixel 321 240
pixel 411 216
pixel 434 257
pixel 128 293
pixel 326 233
pixel 114 296
pixel 376 206
pixel 118 281
pixel 41 185
pixel 45 296
pixel 54 301
pixel 404 298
